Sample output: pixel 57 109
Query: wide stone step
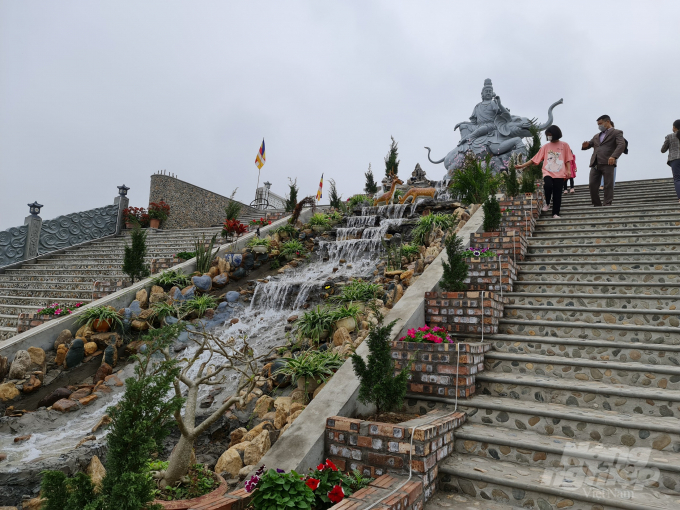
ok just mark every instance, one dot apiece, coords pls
pixel 617 267
pixel 30 271
pixel 590 214
pixel 619 288
pixel 601 276
pixel 592 349
pixel 621 227
pixel 640 375
pixel 8 320
pixel 613 332
pixel 587 394
pixel 601 256
pixel 442 500
pixel 638 301
pixel 32 302
pixel 543 488
pixel 55 294
pixel 622 466
pixel 579 424
pixel 604 239
pixel 52 278
pixel 31 286
pixel 77 266
pixel 609 247
pixel 620 199
pixel 633 317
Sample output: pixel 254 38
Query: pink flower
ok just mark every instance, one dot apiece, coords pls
pixel 411 333
pixel 424 328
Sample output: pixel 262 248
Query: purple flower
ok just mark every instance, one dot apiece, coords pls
pixel 280 470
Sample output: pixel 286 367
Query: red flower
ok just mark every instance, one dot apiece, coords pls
pixel 336 495
pixel 321 467
pixel 331 465
pixel 312 483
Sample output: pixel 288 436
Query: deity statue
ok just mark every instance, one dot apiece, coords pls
pixel 492 130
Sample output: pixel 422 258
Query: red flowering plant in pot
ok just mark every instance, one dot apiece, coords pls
pixel 158 212
pixel 233 229
pixel 426 334
pixel 135 216
pixel 260 223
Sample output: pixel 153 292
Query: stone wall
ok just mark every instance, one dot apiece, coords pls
pixel 191 206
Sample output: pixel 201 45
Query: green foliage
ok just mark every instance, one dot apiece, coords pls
pixel 398 193
pixel 333 195
pixel 528 182
pixel 274 264
pixel 456 269
pixel 492 214
pixel 205 256
pixel 335 215
pixel 101 313
pixel 199 304
pixel 359 201
pixel 282 490
pixel 292 198
pixel 139 423
pixel 328 478
pixel 313 365
pixel 199 481
pixel 371 187
pixel 161 309
pixel 320 220
pixel 534 171
pixel 510 181
pixel 391 161
pixel 346 310
pixel 259 241
pixel 378 383
pixel 409 250
pixel 358 290
pixel 288 229
pixel 171 278
pixel 293 248
pixel 313 323
pixel 475 181
pixel 233 209
pixel 392 256
pixel 185 255
pixel 427 223
pixel 356 481
pixel 133 259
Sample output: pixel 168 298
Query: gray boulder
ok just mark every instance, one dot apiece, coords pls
pixel 20 365
pixel 202 283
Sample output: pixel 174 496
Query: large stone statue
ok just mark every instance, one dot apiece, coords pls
pixel 492 130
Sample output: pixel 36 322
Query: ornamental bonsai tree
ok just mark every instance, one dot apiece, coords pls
pixel 380 384
pixel 217 361
pixel 456 270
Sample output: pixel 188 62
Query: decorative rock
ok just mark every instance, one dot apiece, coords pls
pixel 20 365
pixel 661 442
pixel 341 336
pixel 85 332
pixel 102 372
pixel 248 261
pixel 239 273
pixel 220 281
pixel 75 354
pixel 280 419
pixel 245 471
pixel 58 394
pixel 140 325
pixel 32 385
pixel 8 391
pixel 202 283
pixel 230 463
pixel 236 436
pixel 233 296
pixel 143 297
pixel 64 337
pixel 33 504
pixel 257 448
pixel 104 420
pixel 90 348
pixel 4 367
pixel 293 416
pixel 65 405
pixel 61 354
pixel 256 431
pixel 96 471
pixel 81 393
pixel 298 396
pixel 263 405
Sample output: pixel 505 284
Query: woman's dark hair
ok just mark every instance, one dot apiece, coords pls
pixel 555 132
pixel 676 125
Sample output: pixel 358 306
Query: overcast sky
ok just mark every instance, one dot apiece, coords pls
pixel 97 94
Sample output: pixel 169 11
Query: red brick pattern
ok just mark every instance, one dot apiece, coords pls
pixel 103 289
pixel 377 449
pixel 162 263
pixel 517 220
pixel 464 312
pixel 523 204
pixel 490 273
pixel 30 320
pixel 408 497
pixel 512 243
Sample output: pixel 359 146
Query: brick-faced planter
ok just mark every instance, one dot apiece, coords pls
pixel 531 206
pixel 512 219
pixel 435 368
pixel 464 313
pixel 408 495
pixel 104 288
pixel 376 448
pixel 489 273
pixel 30 320
pixel 512 243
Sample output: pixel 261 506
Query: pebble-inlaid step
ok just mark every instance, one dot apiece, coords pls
pixel 593 315
pixel 448 501
pixel 590 394
pixel 611 372
pixel 55 294
pixel 630 301
pixel 592 349
pixel 618 288
pixel 605 239
pixel 544 488
pixel 609 248
pixel 599 265
pixel 58 279
pixel 590 214
pixel 531 449
pixel 56 272
pixel 614 228
pixel 637 276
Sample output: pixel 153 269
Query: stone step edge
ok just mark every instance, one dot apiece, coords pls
pixel 606 272
pixel 459 471
pixel 538 233
pixel 583 362
pixel 41 298
pixel 581 208
pixel 95 277
pixel 538 236
pixel 613 311
pixel 596 284
pixel 581 386
pixel 465 433
pixel 560 411
pixel 571 256
pixel 589 262
pixel 582 342
pixel 601 245
pixel 7 330
pixel 595 325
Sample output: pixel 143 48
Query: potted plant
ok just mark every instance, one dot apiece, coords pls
pixel 259 245
pixel 100 318
pixel 286 231
pixel 345 317
pixel 311 368
pixel 292 249
pixel 133 216
pixel 314 324
pixel 259 223
pixel 158 212
pixel 233 229
pixel 320 222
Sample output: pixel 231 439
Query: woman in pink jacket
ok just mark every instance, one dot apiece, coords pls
pixel 557 158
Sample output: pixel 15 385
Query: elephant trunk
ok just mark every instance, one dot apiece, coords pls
pixel 435 162
pixel 550 116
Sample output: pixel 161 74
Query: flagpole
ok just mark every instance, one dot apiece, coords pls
pixel 258 182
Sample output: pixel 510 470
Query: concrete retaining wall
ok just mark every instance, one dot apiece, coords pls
pixel 302 446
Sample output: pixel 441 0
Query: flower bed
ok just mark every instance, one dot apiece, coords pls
pixel 376 448
pixel 464 312
pixel 491 273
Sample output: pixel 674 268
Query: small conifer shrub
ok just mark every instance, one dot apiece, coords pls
pixel 492 214
pixel 456 270
pixel 371 187
pixel 133 259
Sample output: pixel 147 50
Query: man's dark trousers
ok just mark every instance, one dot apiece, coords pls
pixel 596 174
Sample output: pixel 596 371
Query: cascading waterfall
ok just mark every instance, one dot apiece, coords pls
pixel 442 190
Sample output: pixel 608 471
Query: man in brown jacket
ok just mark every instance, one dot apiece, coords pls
pixel 609 145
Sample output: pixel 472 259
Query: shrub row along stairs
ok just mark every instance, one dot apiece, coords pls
pixel 68 277
pixel 579 405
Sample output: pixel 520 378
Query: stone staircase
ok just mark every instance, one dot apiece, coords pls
pixel 578 407
pixel 68 277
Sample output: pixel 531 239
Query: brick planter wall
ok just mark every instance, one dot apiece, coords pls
pixel 104 288
pixel 435 368
pixel 516 220
pixel 30 320
pixel 461 312
pixel 162 263
pixel 408 497
pixel 524 204
pixel 512 243
pixel 489 273
pixel 376 448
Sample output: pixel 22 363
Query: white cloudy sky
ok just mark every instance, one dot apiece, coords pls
pixel 96 94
